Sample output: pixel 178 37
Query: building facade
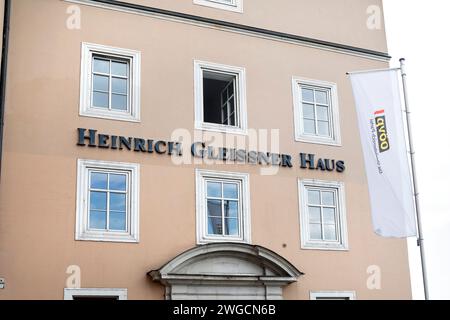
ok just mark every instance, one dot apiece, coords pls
pixel 191 149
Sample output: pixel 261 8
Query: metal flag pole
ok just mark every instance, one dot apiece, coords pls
pixel 420 240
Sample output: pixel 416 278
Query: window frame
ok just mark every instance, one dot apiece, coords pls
pixel 313 295
pixel 202 176
pixel 308 244
pixel 235 5
pixel 133 57
pixel 239 96
pixel 82 231
pixel 71 293
pixel 334 122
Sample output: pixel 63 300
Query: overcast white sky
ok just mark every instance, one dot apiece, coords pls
pixel 420 32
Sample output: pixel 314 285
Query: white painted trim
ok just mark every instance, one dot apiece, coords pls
pixel 241 94
pixel 70 293
pixel 351 295
pixel 307 244
pixel 235 5
pixel 335 139
pixel 81 229
pixel 134 58
pixel 201 213
pixel 165 17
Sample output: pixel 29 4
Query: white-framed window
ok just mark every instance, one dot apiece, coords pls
pixel 107 201
pixel 95 294
pixel 223 207
pixel 220 98
pixel 230 5
pixel 316 111
pixel 322 215
pixel 332 295
pixel 110 82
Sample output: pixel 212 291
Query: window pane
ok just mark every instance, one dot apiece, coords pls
pixel 101 65
pixel 99 180
pixel 230 190
pixel 308 95
pixel 118 182
pixel 314 214
pixel 322 113
pixel 315 231
pixel 215 226
pixel 231 227
pixel 97 200
pixel 215 208
pixel 328 198
pixel 330 232
pixel 119 85
pixel 232 114
pixel 118 102
pixel 328 215
pixel 308 111
pixel 101 83
pixel 97 220
pixel 231 208
pixel 309 126
pixel 322 97
pixel 119 68
pixel 313 197
pixel 117 221
pixel 101 100
pixel 117 202
pixel 214 189
pixel 323 128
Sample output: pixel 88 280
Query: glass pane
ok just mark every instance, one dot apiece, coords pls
pixel 314 214
pixel 119 68
pixel 97 220
pixel 215 208
pixel 308 95
pixel 119 85
pixel 231 208
pixel 101 65
pixel 118 102
pixel 117 221
pixel 330 232
pixel 99 180
pixel 328 215
pixel 322 97
pixel 313 197
pixel 231 227
pixel 230 190
pixel 308 111
pixel 101 100
pixel 328 198
pixel 214 189
pixel 232 114
pixel 118 182
pixel 309 126
pixel 117 202
pixel 323 128
pixel 101 83
pixel 322 113
pixel 215 226
pixel 97 200
pixel 315 231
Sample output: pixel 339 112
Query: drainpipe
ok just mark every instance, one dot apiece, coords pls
pixel 4 66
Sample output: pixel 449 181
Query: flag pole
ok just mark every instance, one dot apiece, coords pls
pixel 420 240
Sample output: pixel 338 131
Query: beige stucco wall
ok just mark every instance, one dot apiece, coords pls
pixel 38 183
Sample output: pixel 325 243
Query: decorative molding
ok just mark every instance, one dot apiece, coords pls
pixel 221 25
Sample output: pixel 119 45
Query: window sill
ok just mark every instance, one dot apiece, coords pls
pixel 316 140
pixel 94 113
pixel 220 128
pixel 324 247
pixel 238 8
pixel 221 240
pixel 107 237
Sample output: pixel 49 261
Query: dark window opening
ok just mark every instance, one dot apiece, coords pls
pixel 96 298
pixel 219 98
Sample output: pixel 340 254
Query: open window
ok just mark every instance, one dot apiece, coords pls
pixel 220 98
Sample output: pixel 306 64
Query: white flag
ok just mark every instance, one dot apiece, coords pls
pixel 378 105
